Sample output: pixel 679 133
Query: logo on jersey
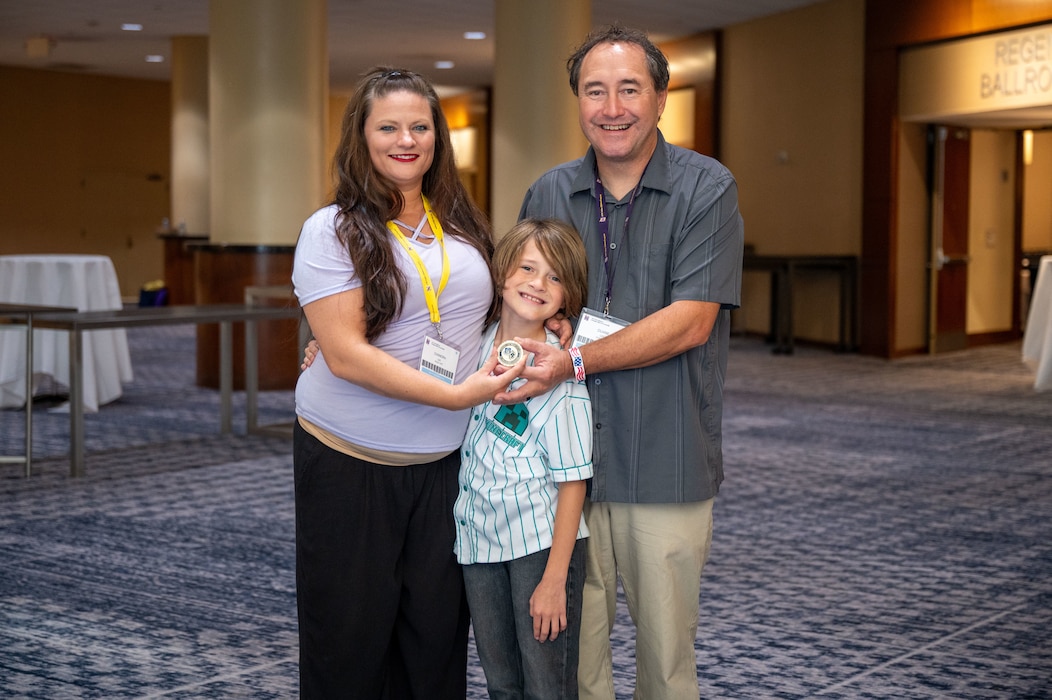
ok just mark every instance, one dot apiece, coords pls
pixel 509 422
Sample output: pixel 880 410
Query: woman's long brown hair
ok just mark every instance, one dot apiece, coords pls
pixel 367 200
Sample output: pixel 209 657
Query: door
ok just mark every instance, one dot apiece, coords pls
pixel 948 261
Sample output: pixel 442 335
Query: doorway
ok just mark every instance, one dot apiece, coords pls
pixel 964 209
pixel 959 237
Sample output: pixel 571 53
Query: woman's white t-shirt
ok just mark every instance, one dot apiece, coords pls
pixel 322 268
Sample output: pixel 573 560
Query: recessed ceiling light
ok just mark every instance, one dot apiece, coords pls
pixel 443 65
pixel 131 27
pixel 154 58
pixel 474 36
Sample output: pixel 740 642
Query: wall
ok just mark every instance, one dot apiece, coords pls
pixel 86 164
pixel 337 106
pixel 792 134
pixel 470 109
pixel 991 231
pixel 87 167
pixel 1037 212
pixel 913 249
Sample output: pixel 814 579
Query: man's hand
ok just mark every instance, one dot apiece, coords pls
pixel 477 388
pixel 560 326
pixel 550 367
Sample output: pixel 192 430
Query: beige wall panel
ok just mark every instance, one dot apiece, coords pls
pixel 990 231
pixel 86 168
pixel 1037 213
pixel 792 135
pixel 125 234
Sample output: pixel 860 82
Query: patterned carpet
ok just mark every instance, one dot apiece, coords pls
pixel 885 531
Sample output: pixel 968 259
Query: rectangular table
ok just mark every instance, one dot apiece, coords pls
pixel 1037 338
pixel 22 314
pixel 77 323
pixel 784 269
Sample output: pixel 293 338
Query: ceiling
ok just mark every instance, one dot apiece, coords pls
pixel 85 36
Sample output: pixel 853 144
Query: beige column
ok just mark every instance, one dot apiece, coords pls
pixel 190 154
pixel 534 112
pixel 268 93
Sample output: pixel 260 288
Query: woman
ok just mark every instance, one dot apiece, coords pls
pixel 394 279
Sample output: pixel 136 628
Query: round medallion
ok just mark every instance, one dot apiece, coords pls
pixel 509 353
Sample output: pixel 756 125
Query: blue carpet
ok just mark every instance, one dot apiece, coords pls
pixel 885 531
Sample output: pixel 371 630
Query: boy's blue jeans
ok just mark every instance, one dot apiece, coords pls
pixel 517 665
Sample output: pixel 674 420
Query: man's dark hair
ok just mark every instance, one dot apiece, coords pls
pixel 619 34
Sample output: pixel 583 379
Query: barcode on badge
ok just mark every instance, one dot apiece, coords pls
pixel 434 369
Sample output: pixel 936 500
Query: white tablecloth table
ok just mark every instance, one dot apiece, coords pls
pixel 83 282
pixel 1037 339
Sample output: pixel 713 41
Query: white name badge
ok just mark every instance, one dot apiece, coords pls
pixel 593 325
pixel 439 359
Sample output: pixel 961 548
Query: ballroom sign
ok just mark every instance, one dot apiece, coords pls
pixel 996 72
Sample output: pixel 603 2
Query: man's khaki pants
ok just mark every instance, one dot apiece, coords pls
pixel 658 550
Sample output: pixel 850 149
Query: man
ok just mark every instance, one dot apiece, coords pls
pixel 664 240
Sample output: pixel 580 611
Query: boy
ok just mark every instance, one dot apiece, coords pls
pixel 520 532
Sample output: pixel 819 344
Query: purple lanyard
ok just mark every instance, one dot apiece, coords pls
pixel 604 233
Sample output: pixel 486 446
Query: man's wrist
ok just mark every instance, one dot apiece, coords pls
pixel 578 363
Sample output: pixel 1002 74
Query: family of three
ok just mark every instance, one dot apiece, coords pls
pixel 459 455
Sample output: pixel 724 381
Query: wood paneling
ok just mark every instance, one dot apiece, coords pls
pixel 221 275
pixel 179 267
pixel 695 63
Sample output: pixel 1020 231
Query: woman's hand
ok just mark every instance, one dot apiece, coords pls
pixel 492 378
pixel 309 353
pixel 338 322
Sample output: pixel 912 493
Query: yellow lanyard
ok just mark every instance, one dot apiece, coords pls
pixel 430 294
